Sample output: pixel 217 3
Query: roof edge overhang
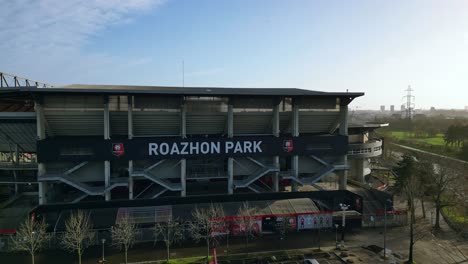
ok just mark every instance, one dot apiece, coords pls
pixel 346 97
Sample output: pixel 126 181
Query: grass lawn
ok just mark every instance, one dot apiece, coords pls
pixel 455 214
pixel 438 140
pixel 186 260
pixel 434 144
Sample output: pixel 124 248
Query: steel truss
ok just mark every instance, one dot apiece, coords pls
pixel 11 80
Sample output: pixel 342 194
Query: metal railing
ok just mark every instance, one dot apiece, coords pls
pixel 394 218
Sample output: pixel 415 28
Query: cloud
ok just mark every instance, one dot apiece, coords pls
pixel 47 35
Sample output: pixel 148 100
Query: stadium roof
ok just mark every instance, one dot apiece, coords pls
pixel 176 90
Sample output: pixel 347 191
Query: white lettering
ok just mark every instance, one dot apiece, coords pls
pixel 164 148
pixel 257 146
pixel 175 149
pixel 193 147
pixel 238 147
pixel 153 149
pixel 215 147
pixel 184 148
pixel 205 147
pixel 247 147
pixel 228 146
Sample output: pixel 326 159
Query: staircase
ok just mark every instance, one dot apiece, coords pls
pixel 89 190
pixel 166 184
pixel 327 169
pixel 259 187
pixel 79 197
pixel 312 180
pixel 254 176
pixel 151 192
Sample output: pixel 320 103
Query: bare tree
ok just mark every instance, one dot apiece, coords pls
pixel 247 221
pixel 424 167
pixel 440 184
pixel 170 233
pixel 408 184
pixel 78 233
pixel 205 222
pixel 30 236
pixel 124 234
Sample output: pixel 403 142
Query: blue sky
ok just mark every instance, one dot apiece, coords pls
pixel 377 47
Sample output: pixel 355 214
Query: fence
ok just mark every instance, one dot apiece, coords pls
pixel 143 235
pixel 394 218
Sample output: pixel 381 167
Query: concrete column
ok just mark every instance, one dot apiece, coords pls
pixel 230 170
pixel 41 168
pixel 183 121
pixel 183 177
pixel 230 167
pixel 360 164
pixel 17 165
pixel 107 179
pixel 230 123
pixel 16 154
pixel 343 180
pixel 106 137
pixel 295 133
pixel 295 110
pixel 42 185
pixel 15 179
pixel 276 132
pixel 183 162
pixel 130 136
pixel 130 117
pixel 130 180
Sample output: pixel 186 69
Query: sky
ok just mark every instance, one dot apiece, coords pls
pixel 375 47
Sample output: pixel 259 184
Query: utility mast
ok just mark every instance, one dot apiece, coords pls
pixel 409 103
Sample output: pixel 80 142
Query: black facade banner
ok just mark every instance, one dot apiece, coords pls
pixel 89 149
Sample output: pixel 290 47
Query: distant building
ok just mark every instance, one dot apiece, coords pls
pixel 392 108
pixel 382 108
pixel 432 109
pixel 403 108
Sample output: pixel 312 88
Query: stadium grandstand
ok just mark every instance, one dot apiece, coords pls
pixel 108 148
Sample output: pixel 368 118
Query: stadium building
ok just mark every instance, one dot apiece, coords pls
pixel 105 142
pixel 364 146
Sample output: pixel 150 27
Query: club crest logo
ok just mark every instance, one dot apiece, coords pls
pixel 118 149
pixel 288 145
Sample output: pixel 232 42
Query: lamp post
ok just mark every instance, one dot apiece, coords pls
pixel 343 207
pixel 103 241
pixel 336 236
pixel 385 228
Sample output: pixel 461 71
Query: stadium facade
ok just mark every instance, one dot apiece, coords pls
pixel 100 142
pixel 364 146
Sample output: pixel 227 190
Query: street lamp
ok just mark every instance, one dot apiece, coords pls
pixel 343 207
pixel 336 236
pixel 385 228
pixel 103 241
